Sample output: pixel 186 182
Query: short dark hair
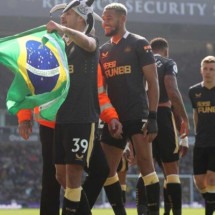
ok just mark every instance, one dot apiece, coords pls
pixel 159 43
pixel 118 7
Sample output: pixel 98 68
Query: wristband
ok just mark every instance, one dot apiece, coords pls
pixel 152 115
pixel 184 142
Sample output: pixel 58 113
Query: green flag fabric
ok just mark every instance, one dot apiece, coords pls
pixel 40 66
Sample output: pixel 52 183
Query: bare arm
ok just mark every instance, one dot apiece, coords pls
pixel 195 119
pixel 79 38
pixel 175 97
pixel 150 73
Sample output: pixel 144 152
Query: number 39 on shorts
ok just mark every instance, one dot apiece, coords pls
pixel 80 145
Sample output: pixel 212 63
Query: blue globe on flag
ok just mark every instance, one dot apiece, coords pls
pixel 42 67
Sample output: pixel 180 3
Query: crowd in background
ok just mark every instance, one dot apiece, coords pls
pixel 20 175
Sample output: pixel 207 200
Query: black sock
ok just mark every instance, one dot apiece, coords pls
pixel 98 172
pixel 204 195
pixel 167 202
pixel 209 203
pixel 153 198
pixel 69 207
pixel 83 208
pixel 174 191
pixel 114 195
pixel 124 196
pixel 94 183
pixel 141 200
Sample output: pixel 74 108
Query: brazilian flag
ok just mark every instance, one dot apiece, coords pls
pixel 39 63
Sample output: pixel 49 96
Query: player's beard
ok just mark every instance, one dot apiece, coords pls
pixel 112 32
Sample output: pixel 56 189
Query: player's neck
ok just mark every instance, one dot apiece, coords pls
pixel 208 85
pixel 117 37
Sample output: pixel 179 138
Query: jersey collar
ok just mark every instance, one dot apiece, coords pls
pixel 203 85
pixel 124 36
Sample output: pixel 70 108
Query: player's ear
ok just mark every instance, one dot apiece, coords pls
pixel 123 17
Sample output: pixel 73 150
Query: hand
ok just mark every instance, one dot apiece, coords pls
pixel 25 129
pixel 53 26
pixel 132 160
pixel 184 129
pixel 150 129
pixel 126 153
pixel 130 154
pixel 115 128
pixel 152 126
pixel 183 146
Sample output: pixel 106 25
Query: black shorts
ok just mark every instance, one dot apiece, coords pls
pixel 165 145
pixel 74 143
pixel 129 129
pixel 203 160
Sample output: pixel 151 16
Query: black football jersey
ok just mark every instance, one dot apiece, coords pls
pixel 203 100
pixel 121 65
pixel 81 104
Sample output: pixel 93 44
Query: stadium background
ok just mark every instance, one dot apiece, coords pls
pixel 187 24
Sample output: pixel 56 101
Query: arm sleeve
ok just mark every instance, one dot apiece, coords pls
pixel 107 111
pixel 171 68
pixel 25 114
pixel 144 52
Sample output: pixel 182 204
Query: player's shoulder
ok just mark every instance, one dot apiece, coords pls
pixel 195 91
pixel 164 60
pixel 166 64
pixel 170 61
pixel 160 58
pixel 139 43
pixel 137 38
pixel 195 87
